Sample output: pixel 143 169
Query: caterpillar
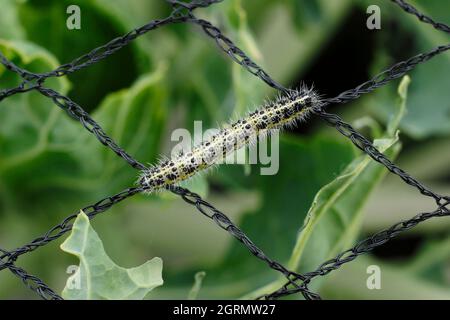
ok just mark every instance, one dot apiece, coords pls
pixel 283 112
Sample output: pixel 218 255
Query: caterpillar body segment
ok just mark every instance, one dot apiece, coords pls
pixel 281 113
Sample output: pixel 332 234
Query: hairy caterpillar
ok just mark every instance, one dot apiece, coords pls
pixel 283 112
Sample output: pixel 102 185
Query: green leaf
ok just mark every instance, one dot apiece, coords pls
pixel 333 220
pixel 131 14
pixel 98 277
pixel 29 122
pixel 36 135
pixel 44 23
pixel 429 107
pixel 149 224
pixel 246 88
pixel 428 100
pixel 304 167
pixel 135 118
pixel 272 223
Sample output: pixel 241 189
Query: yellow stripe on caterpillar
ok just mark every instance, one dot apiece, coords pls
pixel 281 113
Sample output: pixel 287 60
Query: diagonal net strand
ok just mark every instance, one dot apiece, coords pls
pixel 365 145
pixel 5 93
pixel 13 68
pixel 66 225
pixel 102 52
pixel 32 282
pixel 78 113
pixel 182 12
pixel 362 247
pixel 220 218
pixel 236 54
pixel 226 224
pixel 96 54
pixel 412 10
pixel 111 47
pixel 89 58
pixel 193 4
pixel 394 72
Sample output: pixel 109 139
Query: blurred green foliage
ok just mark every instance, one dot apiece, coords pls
pixel 312 209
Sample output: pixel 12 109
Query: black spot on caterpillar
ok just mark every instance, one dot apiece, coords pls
pixel 281 113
